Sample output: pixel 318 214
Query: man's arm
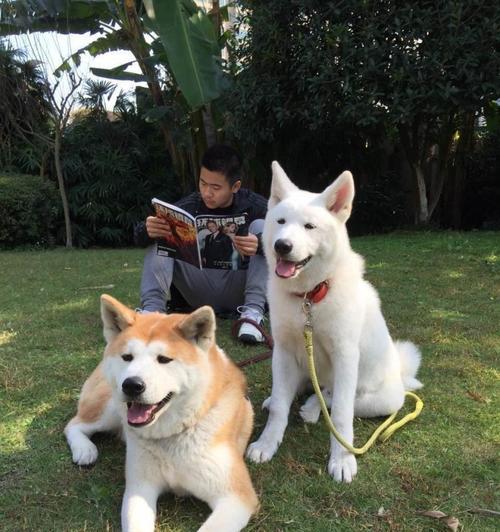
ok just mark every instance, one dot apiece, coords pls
pixel 258 211
pixel 141 237
pixel 142 234
pixel 156 227
pixel 146 232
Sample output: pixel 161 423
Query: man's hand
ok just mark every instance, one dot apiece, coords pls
pixel 246 245
pixel 156 227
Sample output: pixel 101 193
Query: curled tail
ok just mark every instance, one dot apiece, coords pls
pixel 410 358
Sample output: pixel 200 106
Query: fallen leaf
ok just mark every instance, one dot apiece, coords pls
pixel 452 523
pixel 436 514
pixel 478 397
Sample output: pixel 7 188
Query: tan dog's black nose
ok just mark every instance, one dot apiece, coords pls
pixel 133 386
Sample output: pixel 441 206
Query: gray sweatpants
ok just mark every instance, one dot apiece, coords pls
pixel 224 290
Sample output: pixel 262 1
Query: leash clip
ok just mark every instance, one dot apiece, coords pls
pixel 306 307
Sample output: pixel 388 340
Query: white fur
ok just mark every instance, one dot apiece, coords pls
pixel 175 452
pixel 83 450
pixel 357 362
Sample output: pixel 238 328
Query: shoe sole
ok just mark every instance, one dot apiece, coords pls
pixel 248 339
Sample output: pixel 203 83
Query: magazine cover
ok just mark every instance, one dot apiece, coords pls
pixel 205 241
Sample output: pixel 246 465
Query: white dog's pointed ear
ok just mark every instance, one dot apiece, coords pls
pixel 116 317
pixel 339 195
pixel 281 185
pixel 199 327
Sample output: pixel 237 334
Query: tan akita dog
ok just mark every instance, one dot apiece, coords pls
pixel 180 402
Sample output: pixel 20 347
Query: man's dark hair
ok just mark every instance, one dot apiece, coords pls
pixel 225 160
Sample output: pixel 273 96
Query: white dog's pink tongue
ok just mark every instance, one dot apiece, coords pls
pixel 138 413
pixel 285 268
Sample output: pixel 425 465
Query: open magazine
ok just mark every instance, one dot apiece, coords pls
pixel 205 241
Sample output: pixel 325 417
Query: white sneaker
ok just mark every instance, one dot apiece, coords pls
pixel 248 333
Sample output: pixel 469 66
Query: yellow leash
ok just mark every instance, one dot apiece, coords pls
pixel 384 431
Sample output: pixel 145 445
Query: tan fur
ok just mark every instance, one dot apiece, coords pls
pixel 232 385
pixel 95 393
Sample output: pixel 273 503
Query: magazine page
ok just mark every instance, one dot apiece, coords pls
pixel 215 241
pixel 181 241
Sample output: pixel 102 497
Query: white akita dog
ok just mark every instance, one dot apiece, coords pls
pixel 360 368
pixel 181 404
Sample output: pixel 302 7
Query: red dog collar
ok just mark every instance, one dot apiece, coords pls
pixel 317 293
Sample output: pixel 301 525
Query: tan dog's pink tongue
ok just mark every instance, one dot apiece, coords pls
pixel 138 413
pixel 285 268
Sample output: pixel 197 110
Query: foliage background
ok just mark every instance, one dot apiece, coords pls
pixel 113 169
pixel 401 93
pixel 29 210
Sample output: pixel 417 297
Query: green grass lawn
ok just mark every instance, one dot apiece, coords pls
pixel 441 290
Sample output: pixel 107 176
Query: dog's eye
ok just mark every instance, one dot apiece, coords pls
pixel 281 221
pixel 127 357
pixel 309 226
pixel 163 360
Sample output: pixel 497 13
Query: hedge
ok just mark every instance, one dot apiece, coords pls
pixel 29 208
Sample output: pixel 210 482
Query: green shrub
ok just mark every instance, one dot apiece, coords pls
pixel 112 171
pixel 379 206
pixel 28 210
pixel 482 185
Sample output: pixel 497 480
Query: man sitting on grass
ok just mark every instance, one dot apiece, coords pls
pixel 226 290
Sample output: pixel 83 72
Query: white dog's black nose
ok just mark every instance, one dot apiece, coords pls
pixel 283 246
pixel 133 386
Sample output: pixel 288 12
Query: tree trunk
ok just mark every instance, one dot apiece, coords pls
pixel 444 148
pixel 62 188
pixel 209 126
pixel 422 215
pixel 454 200
pixel 199 136
pixel 411 150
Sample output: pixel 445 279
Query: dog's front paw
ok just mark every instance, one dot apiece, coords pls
pixel 262 451
pixel 84 454
pixel 343 467
pixel 266 403
pixel 310 410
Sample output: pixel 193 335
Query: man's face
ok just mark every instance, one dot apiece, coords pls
pixel 212 227
pixel 215 189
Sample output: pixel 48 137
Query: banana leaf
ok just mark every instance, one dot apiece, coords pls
pixel 190 42
pixel 118 73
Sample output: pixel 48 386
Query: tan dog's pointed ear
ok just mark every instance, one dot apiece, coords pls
pixel 199 327
pixel 115 317
pixel 281 185
pixel 339 195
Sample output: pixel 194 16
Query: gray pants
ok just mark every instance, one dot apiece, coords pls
pixel 224 290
